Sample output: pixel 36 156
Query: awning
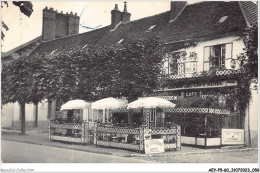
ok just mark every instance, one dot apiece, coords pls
pixel 76 104
pixel 150 102
pixel 109 103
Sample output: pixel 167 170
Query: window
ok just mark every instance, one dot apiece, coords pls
pixel 53 51
pixel 85 46
pixel 215 56
pixel 151 28
pixel 179 63
pixel 222 19
pixel 187 64
pixel 120 41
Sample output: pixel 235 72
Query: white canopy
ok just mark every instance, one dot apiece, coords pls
pixel 150 102
pixel 109 103
pixel 75 104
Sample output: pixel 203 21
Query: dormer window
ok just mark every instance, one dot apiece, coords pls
pixel 53 51
pixel 85 46
pixel 151 28
pixel 120 41
pixel 222 19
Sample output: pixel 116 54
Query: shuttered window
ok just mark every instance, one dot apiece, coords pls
pixel 216 56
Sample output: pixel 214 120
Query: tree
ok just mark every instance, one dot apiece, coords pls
pixel 75 73
pixel 249 64
pixel 26 8
pixel 136 68
pixel 95 72
pixel 23 82
pixel 249 58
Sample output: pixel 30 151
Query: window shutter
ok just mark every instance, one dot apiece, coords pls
pixel 206 58
pixel 166 64
pixel 207 53
pixel 228 51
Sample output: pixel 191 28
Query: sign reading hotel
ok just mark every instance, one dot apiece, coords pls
pixel 232 136
pixel 153 146
pixel 202 85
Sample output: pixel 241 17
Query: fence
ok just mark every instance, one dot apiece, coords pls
pixel 133 138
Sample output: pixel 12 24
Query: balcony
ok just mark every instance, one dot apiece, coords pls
pixel 225 72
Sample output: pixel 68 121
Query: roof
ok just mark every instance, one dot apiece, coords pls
pixel 200 20
pixel 250 11
pixel 6 54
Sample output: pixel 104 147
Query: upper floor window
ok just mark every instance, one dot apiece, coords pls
pixel 215 56
pixel 181 63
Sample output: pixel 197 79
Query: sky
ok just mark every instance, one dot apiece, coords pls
pixel 23 29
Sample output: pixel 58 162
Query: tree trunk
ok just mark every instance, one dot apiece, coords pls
pixel 36 115
pixel 23 118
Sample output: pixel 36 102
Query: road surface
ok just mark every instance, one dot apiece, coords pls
pixel 250 156
pixel 17 152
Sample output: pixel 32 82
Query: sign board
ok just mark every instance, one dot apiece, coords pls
pixel 202 85
pixel 153 146
pixel 169 98
pixel 232 136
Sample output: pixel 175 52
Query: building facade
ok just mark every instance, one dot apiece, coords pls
pixel 202 51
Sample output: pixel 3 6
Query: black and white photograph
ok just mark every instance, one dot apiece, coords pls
pixel 153 86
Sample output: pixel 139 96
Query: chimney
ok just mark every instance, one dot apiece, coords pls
pixel 58 25
pixel 73 24
pixel 61 25
pixel 115 16
pixel 176 8
pixel 49 24
pixel 125 16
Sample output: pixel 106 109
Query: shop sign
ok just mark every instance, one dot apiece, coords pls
pixel 232 136
pixel 169 98
pixel 191 94
pixel 153 146
pixel 200 85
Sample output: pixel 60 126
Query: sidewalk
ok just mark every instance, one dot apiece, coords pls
pixel 41 138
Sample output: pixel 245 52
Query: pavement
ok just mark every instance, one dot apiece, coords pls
pixel 17 152
pixel 40 137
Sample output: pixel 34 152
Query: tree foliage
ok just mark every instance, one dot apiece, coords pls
pixel 22 80
pixel 249 58
pixel 249 65
pixel 94 72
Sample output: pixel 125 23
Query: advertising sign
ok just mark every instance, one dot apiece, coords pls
pixel 202 85
pixel 232 137
pixel 154 146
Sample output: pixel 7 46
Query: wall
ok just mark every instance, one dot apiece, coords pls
pixel 7 113
pixel 10 114
pixel 251 119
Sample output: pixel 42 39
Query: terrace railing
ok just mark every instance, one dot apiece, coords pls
pixel 133 138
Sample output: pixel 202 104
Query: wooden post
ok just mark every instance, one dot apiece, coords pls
pixel 104 115
pixel 146 114
pixel 178 131
pixel 49 131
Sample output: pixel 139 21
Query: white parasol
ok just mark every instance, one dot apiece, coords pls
pixel 75 104
pixel 109 103
pixel 150 102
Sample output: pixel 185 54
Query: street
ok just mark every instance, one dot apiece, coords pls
pixel 16 152
pixel 225 157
